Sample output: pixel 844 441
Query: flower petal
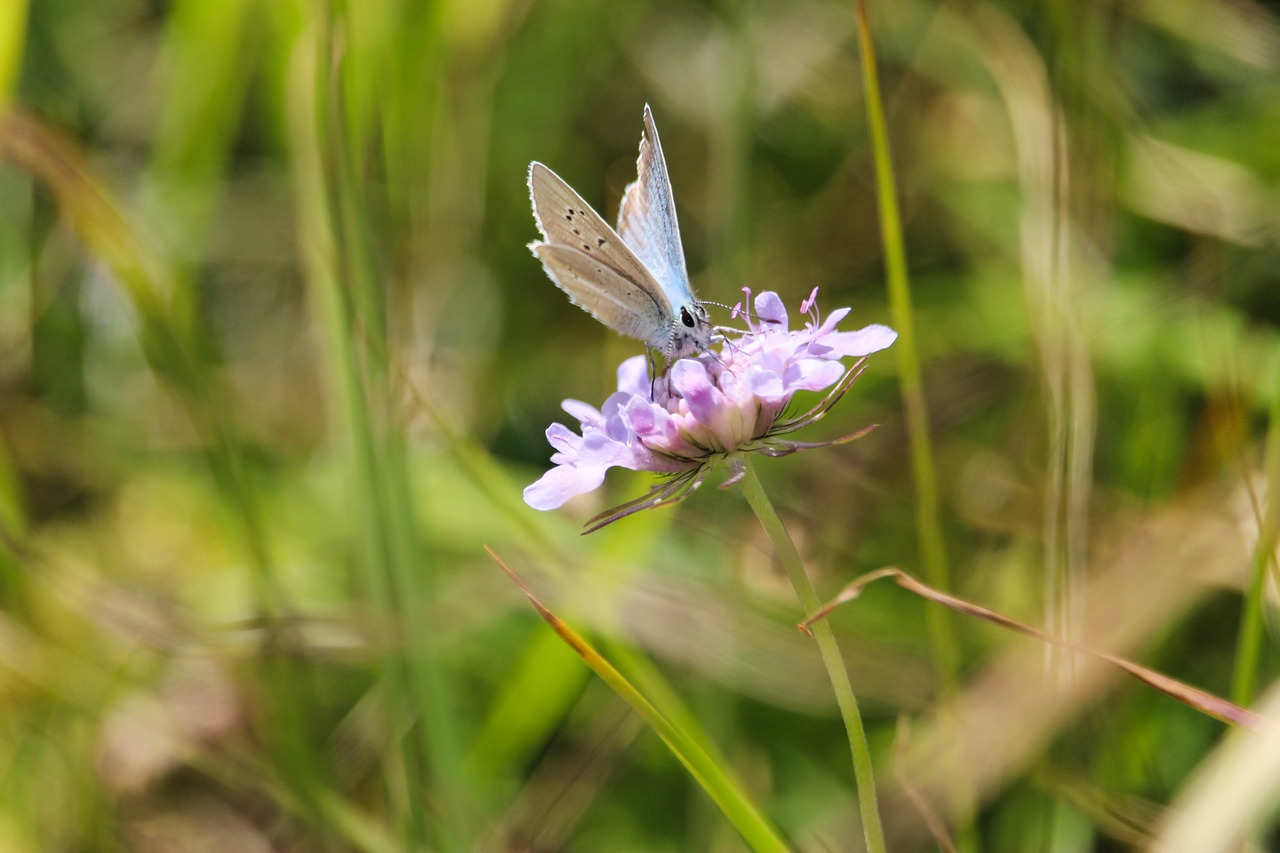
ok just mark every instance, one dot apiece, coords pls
pixel 691 381
pixel 829 324
pixel 561 483
pixel 766 383
pixel 633 376
pixel 584 412
pixel 812 374
pixel 865 341
pixel 650 422
pixel 769 308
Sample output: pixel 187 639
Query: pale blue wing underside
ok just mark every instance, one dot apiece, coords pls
pixel 647 219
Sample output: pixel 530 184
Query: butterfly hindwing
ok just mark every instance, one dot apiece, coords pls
pixel 566 220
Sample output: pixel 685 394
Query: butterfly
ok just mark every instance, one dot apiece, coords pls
pixel 634 279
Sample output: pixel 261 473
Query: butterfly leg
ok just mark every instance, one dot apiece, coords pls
pixel 653 371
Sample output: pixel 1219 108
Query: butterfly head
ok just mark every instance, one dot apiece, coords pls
pixel 691 332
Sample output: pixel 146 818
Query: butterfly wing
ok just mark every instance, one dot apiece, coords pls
pixel 627 307
pixel 590 262
pixel 647 219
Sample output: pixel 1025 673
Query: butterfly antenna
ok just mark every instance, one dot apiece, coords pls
pixel 719 336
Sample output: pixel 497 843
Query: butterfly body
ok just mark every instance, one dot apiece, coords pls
pixel 633 279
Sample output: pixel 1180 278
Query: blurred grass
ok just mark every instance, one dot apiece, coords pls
pixel 275 363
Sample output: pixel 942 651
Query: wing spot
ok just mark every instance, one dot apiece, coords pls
pixel 599 241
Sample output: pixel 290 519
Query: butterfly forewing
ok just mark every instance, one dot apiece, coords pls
pixel 647 219
pixel 566 220
pixel 621 304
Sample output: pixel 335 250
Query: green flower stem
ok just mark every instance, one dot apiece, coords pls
pixel 790 557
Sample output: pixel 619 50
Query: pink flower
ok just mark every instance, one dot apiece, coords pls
pixel 708 409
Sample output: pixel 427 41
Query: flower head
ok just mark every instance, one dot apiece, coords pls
pixel 708 409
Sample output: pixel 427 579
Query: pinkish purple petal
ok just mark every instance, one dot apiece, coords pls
pixel 829 324
pixel 865 341
pixel 766 384
pixel 584 412
pixel 650 421
pixel 812 374
pixel 562 438
pixel 554 488
pixel 769 308
pixel 633 376
pixel 692 382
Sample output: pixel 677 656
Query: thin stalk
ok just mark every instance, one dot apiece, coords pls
pixel 933 552
pixel 1249 642
pixel 863 774
pixel 1244 673
pixel 928 525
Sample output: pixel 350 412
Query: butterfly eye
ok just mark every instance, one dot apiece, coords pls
pixel 686 317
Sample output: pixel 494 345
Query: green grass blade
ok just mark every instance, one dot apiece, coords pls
pixel 745 816
pixel 13 33
pixel 923 470
pixel 1249 642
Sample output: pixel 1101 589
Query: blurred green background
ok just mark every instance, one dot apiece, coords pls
pixel 275 364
